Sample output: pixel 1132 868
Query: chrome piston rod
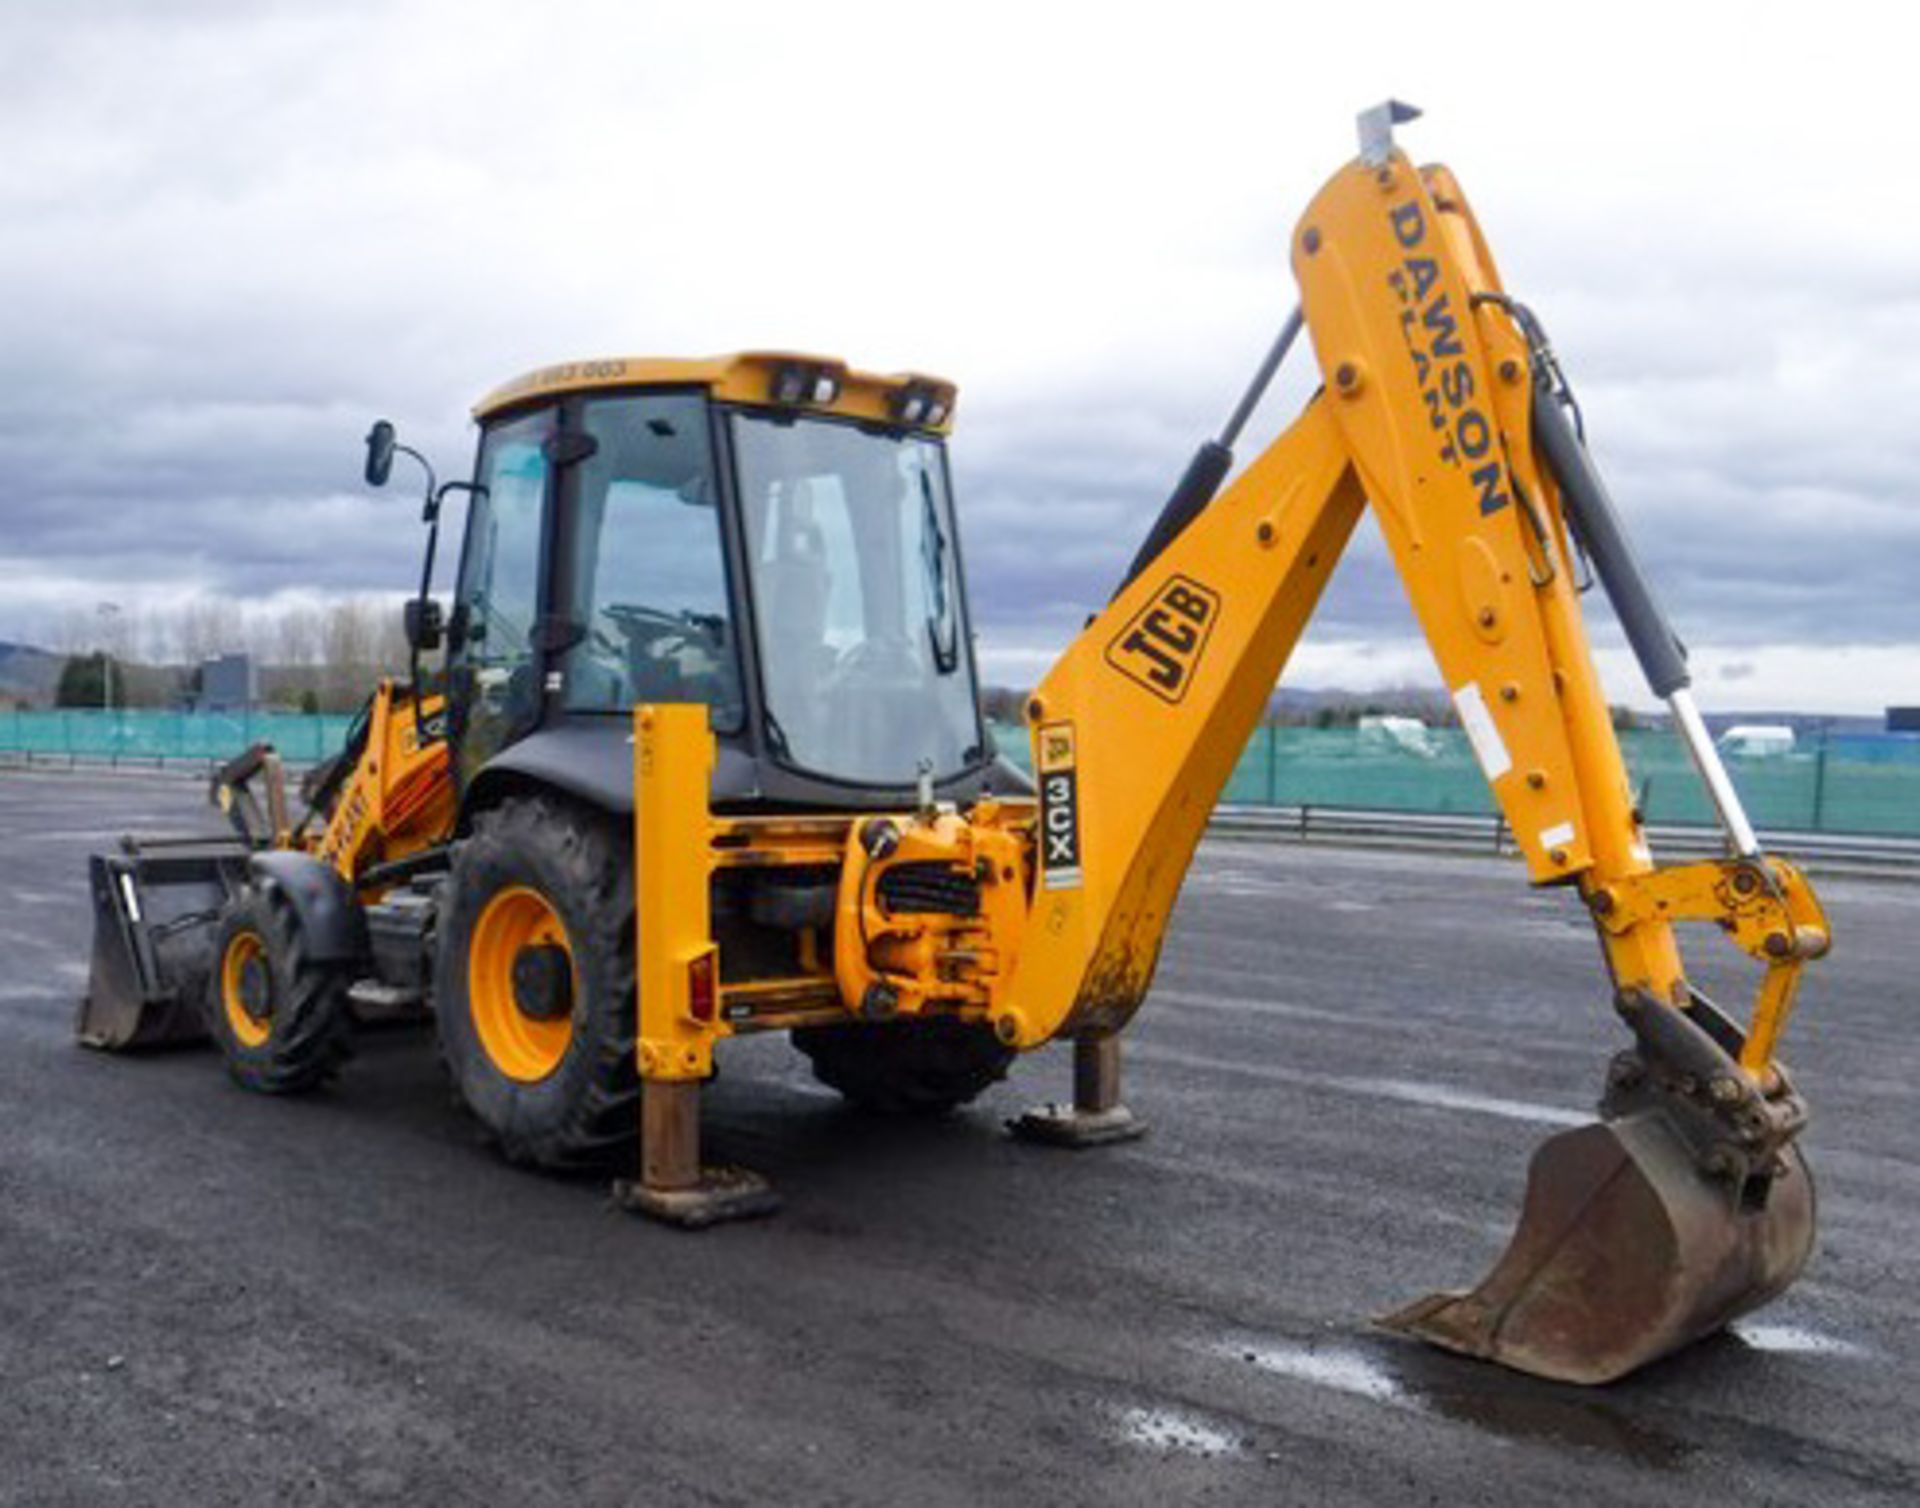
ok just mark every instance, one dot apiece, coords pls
pixel 1591 512
pixel 1706 759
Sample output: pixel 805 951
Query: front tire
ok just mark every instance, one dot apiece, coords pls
pixel 282 1020
pixel 535 983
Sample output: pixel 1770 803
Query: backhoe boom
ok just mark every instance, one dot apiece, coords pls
pixel 1442 410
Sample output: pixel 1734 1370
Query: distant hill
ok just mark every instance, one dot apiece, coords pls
pixel 28 674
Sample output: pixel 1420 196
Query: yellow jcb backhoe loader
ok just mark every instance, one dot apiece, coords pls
pixel 710 761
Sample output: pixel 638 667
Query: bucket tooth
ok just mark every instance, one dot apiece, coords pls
pixel 1626 1250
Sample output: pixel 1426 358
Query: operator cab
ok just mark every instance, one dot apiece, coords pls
pixel 770 535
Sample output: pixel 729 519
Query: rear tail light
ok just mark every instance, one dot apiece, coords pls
pixel 703 988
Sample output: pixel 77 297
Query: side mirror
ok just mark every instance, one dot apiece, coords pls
pixel 425 623
pixel 379 453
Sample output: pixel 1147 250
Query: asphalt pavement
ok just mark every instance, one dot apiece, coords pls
pixel 210 1297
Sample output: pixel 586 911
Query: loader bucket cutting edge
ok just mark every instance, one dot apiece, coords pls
pixel 1624 1252
pixel 153 929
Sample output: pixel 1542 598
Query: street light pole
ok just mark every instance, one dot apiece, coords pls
pixel 108 612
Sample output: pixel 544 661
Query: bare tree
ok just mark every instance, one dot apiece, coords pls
pixel 391 655
pixel 209 626
pixel 158 635
pixel 74 631
pixel 349 647
pixel 299 638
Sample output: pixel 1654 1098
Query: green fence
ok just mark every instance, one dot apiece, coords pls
pixel 1846 783
pixel 157 737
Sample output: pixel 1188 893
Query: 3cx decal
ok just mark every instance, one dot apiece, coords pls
pixel 1431 327
pixel 1059 808
pixel 1161 645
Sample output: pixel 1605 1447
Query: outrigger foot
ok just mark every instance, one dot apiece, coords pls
pixel 1096 1118
pixel 674 1187
pixel 718 1194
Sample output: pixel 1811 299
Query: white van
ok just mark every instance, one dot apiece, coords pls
pixel 1757 740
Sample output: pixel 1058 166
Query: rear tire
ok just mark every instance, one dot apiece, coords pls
pixel 924 1066
pixel 283 1021
pixel 534 986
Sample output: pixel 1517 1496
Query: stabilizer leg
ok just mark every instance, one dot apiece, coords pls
pixel 673 1186
pixel 1096 1117
pixel 673 762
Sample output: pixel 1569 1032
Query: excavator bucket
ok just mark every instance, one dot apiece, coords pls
pixel 155 905
pixel 1626 1250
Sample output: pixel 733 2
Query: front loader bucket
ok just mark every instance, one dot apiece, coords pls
pixel 1625 1251
pixel 155 906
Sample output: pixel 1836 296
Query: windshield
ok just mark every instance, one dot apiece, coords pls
pixel 849 542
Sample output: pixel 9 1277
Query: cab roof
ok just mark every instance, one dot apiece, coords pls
pixel 759 379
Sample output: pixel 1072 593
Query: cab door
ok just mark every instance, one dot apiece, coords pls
pixel 494 669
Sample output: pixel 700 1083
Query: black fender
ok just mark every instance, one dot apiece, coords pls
pixel 592 763
pixel 589 759
pixel 333 928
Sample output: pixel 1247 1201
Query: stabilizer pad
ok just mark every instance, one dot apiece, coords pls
pixel 721 1194
pixel 1064 1126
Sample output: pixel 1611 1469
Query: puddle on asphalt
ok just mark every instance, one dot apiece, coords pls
pixel 1793 1340
pixel 1172 1434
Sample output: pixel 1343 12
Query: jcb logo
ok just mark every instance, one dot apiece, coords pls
pixel 1161 645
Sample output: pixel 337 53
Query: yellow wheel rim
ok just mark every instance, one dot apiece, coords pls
pixel 245 950
pixel 523 1047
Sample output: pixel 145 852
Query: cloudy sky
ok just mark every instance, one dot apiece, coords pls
pixel 235 232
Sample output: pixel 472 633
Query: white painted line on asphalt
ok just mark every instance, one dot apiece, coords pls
pixel 1442 1098
pixel 1430 1096
pixel 1171 1433
pixel 1214 1001
pixel 1794 1340
pixel 1186 970
pixel 103 837
pixel 1239 889
pixel 1336 1367
pixel 806 1089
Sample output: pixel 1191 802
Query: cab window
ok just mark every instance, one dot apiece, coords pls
pixel 648 567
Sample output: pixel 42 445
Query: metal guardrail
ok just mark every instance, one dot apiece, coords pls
pixel 1832 853
pixel 199 766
